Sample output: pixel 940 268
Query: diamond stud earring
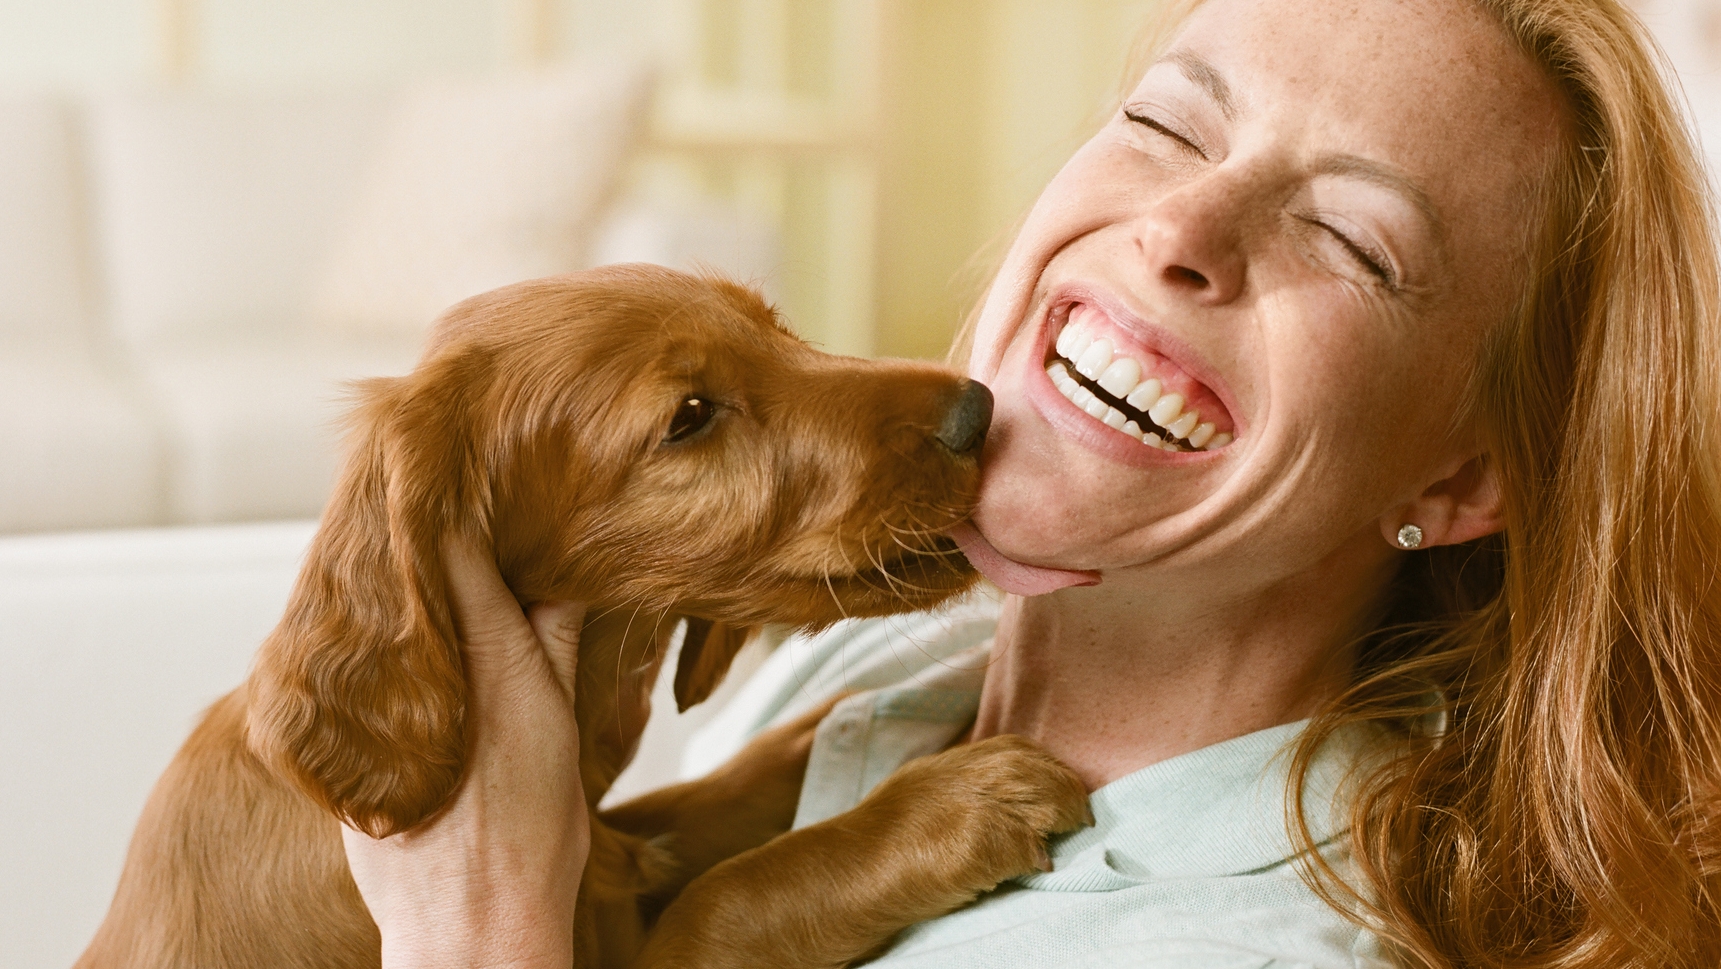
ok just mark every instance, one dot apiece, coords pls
pixel 1409 537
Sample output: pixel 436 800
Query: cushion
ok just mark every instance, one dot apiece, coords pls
pixel 478 184
pixel 43 265
pixel 214 210
pixel 78 448
pixel 694 238
pixel 253 431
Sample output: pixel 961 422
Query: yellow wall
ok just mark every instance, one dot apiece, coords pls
pixel 982 100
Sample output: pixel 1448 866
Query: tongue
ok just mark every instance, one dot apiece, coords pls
pixel 1015 577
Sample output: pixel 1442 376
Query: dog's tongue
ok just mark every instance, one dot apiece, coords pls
pixel 1012 576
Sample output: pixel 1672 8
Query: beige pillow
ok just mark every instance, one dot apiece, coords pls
pixel 214 209
pixel 43 268
pixel 475 185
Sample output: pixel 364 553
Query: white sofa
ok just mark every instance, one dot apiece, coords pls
pixel 188 278
pixel 111 643
pixel 77 444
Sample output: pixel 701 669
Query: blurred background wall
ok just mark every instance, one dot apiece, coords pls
pixel 949 113
pixel 960 108
pixel 862 160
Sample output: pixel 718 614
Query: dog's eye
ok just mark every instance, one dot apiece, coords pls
pixel 693 414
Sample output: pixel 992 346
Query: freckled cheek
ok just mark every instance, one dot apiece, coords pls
pixel 1347 383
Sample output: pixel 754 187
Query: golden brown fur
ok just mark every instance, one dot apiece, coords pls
pixel 542 422
pixel 926 841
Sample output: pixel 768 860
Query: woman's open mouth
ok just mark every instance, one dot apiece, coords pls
pixel 1133 391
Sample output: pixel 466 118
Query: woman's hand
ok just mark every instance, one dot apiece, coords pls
pixel 491 880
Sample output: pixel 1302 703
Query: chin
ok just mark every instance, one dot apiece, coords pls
pixel 1023 526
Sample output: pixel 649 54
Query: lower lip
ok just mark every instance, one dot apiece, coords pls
pixel 1073 422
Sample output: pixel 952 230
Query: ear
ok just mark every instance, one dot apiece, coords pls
pixel 707 649
pixel 1463 505
pixel 359 695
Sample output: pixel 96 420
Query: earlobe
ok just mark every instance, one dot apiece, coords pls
pixel 1465 505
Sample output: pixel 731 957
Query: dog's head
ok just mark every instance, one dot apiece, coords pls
pixel 633 437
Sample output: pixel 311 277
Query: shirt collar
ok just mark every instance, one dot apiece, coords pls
pixel 1213 812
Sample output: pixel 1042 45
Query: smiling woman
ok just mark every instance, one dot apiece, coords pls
pixel 1445 272
pixel 1353 480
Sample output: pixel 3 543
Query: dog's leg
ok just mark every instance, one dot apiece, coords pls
pixel 740 806
pixel 930 839
pixel 231 868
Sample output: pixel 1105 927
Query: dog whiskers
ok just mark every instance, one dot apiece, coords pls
pixel 621 727
pixel 836 600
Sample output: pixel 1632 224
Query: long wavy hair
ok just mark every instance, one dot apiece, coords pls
pixel 1567 814
pixel 1554 795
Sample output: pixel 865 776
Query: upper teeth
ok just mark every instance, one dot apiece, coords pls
pixel 1121 376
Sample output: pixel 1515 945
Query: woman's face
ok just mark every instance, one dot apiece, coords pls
pixel 1301 224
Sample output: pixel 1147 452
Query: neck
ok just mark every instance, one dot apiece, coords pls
pixel 1118 676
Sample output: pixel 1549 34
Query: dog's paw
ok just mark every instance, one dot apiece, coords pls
pixel 988 807
pixel 623 866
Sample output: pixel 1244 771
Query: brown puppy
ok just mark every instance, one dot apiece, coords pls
pixel 651 443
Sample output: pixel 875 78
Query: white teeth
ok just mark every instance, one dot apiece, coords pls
pixel 1079 343
pixel 1061 378
pixel 1183 425
pixel 1121 377
pixel 1095 359
pixel 1144 395
pixel 1166 410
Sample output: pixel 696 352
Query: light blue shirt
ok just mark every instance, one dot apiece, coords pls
pixel 1187 866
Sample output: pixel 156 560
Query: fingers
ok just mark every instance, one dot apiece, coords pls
pixel 557 625
pixel 485 611
pixel 499 646
pixel 496 634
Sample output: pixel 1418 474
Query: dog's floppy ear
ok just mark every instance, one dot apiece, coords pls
pixel 707 649
pixel 359 695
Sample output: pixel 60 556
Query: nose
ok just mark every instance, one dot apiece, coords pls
pixel 1190 242
pixel 965 423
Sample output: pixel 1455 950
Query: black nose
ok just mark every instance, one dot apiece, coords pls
pixel 964 427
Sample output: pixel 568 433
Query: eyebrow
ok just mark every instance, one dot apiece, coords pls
pixel 1208 78
pixel 1351 166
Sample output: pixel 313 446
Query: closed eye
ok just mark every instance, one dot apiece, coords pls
pixel 1375 264
pixel 1136 117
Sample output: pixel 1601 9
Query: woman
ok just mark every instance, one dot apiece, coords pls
pixel 1440 276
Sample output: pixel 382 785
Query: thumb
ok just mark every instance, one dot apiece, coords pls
pixel 486 614
pixel 557 625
